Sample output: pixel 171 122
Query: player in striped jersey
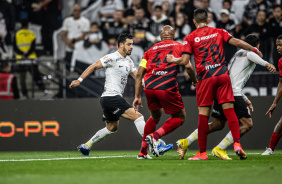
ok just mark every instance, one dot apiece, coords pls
pixel 277 133
pixel 240 68
pixel 161 89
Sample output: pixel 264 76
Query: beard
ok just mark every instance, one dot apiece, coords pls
pixel 127 52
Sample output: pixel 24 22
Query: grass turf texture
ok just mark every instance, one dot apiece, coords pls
pixel 165 169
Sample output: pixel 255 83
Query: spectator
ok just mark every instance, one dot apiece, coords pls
pixel 8 13
pixel 158 21
pixel 181 27
pixel 114 29
pixel 253 8
pixel 139 27
pixel 179 7
pixel 228 25
pixel 260 28
pixel 108 9
pixel 166 8
pixel 24 47
pixel 74 29
pixel 238 8
pixel 216 6
pixel 8 82
pixel 152 3
pixel 51 15
pixel 275 29
pixel 206 4
pixel 226 4
pixel 3 33
pixel 94 37
pixel 212 23
pixel 129 13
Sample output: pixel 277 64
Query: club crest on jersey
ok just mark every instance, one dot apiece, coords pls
pixel 159 72
pixel 197 39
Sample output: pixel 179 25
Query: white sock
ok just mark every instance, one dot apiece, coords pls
pixel 100 135
pixel 227 141
pixel 140 125
pixel 192 137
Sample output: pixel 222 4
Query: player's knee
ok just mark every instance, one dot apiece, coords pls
pixel 112 127
pixel 248 124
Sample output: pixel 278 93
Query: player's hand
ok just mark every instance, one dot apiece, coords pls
pixel 170 58
pixel 270 110
pixel 194 83
pixel 74 83
pixel 136 103
pixel 250 105
pixel 260 54
pixel 270 67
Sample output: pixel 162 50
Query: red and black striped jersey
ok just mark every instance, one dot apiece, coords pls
pixel 206 44
pixel 160 74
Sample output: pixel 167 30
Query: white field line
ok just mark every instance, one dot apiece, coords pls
pixel 81 158
pixel 69 158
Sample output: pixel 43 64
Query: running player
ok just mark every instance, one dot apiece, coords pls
pixel 118 66
pixel 240 69
pixel 161 90
pixel 206 43
pixel 278 128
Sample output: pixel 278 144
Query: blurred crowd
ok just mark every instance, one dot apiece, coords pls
pixel 142 18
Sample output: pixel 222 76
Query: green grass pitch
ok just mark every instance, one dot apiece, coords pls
pixel 115 167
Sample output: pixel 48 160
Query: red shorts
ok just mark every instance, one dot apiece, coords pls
pixel 171 102
pixel 217 86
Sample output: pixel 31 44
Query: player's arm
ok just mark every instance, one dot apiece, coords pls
pixel 244 45
pixel 276 99
pixel 183 60
pixel 134 74
pixel 248 102
pixel 95 66
pixel 190 70
pixel 138 83
pixel 256 59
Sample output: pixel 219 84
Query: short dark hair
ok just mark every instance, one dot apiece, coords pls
pixel 226 1
pixel 277 6
pixel 94 24
pixel 252 39
pixel 139 8
pixel 201 15
pixel 24 22
pixel 158 7
pixel 122 38
pixel 279 37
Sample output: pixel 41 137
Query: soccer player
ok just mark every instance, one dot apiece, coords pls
pixel 118 66
pixel 206 43
pixel 161 90
pixel 278 128
pixel 240 69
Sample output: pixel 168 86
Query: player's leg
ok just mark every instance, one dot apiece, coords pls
pixel 150 127
pixel 276 135
pixel 217 124
pixel 135 117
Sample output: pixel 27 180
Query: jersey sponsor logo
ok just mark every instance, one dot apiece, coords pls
pixel 197 39
pixel 120 66
pixel 165 45
pixel 212 66
pixel 159 72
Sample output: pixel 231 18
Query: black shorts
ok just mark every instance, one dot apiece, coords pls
pixel 113 107
pixel 240 107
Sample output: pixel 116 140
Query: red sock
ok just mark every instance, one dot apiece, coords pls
pixel 233 123
pixel 274 140
pixel 169 126
pixel 203 130
pixel 150 127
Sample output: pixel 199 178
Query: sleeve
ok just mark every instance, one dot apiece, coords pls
pixel 187 47
pixel 256 59
pixel 244 97
pixel 280 67
pixel 226 36
pixel 65 25
pixel 132 67
pixel 119 5
pixel 143 62
pixel 86 27
pixel 32 48
pixel 16 49
pixel 107 61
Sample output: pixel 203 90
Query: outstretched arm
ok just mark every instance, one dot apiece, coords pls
pixel 256 59
pixel 95 66
pixel 138 82
pixel 244 45
pixel 276 99
pixel 183 60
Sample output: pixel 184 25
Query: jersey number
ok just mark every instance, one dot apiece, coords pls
pixel 214 54
pixel 157 60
